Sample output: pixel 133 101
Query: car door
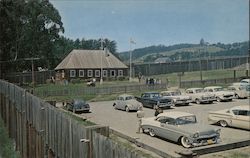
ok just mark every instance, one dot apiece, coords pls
pixel 146 100
pixel 241 119
pixel 168 129
pixel 119 103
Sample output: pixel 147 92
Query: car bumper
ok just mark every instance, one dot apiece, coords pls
pixel 205 141
pixel 165 105
pixel 83 109
pixel 182 102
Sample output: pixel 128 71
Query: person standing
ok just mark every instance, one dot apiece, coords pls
pixel 140 115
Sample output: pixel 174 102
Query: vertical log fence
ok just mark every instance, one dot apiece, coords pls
pixel 43 131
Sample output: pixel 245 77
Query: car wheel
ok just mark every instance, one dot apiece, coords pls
pixel 218 99
pixel 197 101
pixel 127 109
pixel 151 132
pixel 185 142
pixel 114 104
pixel 223 123
pixel 237 96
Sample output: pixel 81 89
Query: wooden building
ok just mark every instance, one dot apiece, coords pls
pixel 86 64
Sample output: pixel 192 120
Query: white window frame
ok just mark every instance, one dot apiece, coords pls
pixel 120 72
pixel 97 73
pixel 90 73
pixel 72 73
pixel 81 73
pixel 111 73
pixel 104 73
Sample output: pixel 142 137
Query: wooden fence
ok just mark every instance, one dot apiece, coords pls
pixel 211 82
pixel 99 90
pixel 41 130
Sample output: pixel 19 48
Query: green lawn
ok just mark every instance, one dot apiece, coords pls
pixel 172 78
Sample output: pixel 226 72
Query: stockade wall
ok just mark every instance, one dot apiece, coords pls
pixel 41 130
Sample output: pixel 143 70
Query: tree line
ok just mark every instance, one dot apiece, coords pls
pixel 33 29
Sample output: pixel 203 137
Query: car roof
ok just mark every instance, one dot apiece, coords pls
pixel 175 114
pixel 247 80
pixel 168 91
pixel 193 88
pixel 241 107
pixel 212 87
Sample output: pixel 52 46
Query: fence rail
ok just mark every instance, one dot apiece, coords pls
pixel 43 131
pixel 99 90
pixel 186 84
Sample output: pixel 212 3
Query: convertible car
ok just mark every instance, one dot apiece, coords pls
pixel 238 116
pixel 181 127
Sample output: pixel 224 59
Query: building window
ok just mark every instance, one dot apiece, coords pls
pixel 105 73
pixel 97 73
pixel 90 73
pixel 81 73
pixel 112 73
pixel 72 73
pixel 120 72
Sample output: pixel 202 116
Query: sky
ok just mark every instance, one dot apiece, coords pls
pixel 155 22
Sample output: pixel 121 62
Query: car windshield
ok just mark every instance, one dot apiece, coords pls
pixel 199 90
pixel 248 88
pixel 218 89
pixel 154 95
pixel 79 102
pixel 186 120
pixel 129 98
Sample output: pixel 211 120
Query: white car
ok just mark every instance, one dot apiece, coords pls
pixel 176 97
pixel 239 91
pixel 220 93
pixel 127 102
pixel 238 116
pixel 198 95
pixel 181 127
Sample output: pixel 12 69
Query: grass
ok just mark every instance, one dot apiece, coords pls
pixel 6 146
pixel 130 146
pixel 79 119
pixel 172 79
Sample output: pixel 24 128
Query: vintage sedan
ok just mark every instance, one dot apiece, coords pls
pixel 127 102
pixel 199 96
pixel 220 93
pixel 78 105
pixel 239 91
pixel 238 116
pixel 176 97
pixel 181 127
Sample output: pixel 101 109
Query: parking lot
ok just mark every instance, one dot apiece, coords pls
pixel 127 123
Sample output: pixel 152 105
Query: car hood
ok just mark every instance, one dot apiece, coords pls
pixel 179 97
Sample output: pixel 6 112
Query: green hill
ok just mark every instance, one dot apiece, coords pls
pixel 186 51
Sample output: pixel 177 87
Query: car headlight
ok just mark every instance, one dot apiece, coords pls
pixel 218 131
pixel 196 135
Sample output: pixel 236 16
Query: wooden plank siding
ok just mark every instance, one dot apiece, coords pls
pixel 43 131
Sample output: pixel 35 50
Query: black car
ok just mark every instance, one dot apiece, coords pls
pixel 153 100
pixel 78 105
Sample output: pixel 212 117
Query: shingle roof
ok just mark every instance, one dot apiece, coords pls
pixel 82 59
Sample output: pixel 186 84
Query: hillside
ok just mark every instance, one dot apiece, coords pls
pixel 186 51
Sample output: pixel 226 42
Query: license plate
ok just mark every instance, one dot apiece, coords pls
pixel 210 141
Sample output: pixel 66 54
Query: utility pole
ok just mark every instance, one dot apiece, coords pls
pixel 101 79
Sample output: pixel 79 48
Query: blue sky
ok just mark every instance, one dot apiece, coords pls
pixel 154 22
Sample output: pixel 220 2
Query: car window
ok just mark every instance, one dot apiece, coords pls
pixel 243 113
pixel 235 112
pixel 165 94
pixel 186 120
pixel 129 98
pixel 218 89
pixel 189 91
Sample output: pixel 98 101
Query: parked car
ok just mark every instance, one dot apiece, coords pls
pixel 198 95
pixel 176 97
pixel 127 102
pixel 220 93
pixel 239 91
pixel 78 105
pixel 153 99
pixel 238 116
pixel 181 127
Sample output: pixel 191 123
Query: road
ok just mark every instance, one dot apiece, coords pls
pixel 127 123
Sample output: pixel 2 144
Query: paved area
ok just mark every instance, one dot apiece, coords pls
pixel 127 123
